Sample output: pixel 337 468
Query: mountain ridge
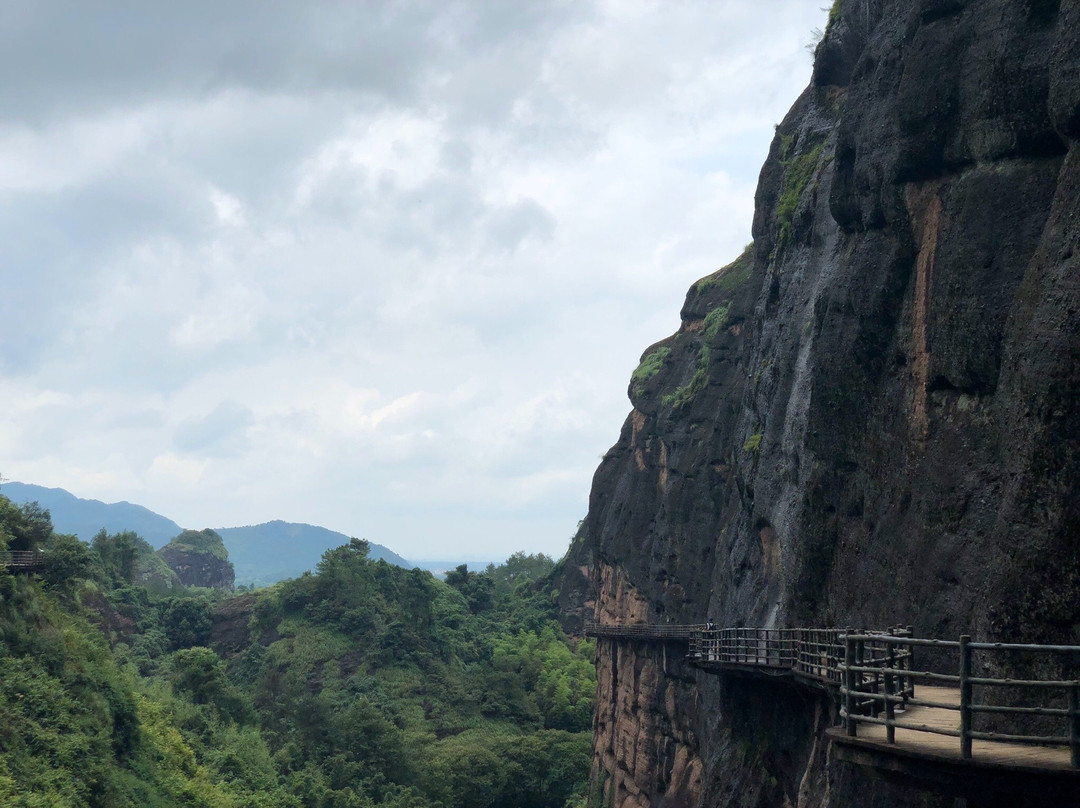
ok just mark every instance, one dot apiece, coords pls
pixel 295 546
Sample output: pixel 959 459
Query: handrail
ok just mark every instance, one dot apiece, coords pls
pixel 645 631
pixel 873 673
pixel 868 685
pixel 21 558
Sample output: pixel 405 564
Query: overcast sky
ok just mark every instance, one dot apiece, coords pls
pixel 384 267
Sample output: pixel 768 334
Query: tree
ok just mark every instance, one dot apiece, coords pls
pixel 36 528
pixel 186 621
pixel 24 527
pixel 68 558
pixel 518 568
pixel 119 554
pixel 200 673
pixel 478 590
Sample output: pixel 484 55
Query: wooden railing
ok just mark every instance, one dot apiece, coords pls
pixel 809 653
pixel 873 684
pixel 643 631
pixel 874 675
pixel 21 559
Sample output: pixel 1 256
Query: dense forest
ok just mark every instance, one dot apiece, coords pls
pixel 358 685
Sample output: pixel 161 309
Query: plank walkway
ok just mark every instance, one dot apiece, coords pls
pixel 867 673
pixel 1000 753
pixel 22 559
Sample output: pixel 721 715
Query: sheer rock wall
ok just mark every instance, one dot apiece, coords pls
pixel 872 417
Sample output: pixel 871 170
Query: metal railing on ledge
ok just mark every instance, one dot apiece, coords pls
pixel 643 631
pixel 874 687
pixel 809 653
pixel 874 675
pixel 21 559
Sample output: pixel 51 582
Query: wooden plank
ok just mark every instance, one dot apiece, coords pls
pixel 998 752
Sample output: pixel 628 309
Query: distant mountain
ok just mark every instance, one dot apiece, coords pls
pixel 261 554
pixel 85 517
pixel 273 551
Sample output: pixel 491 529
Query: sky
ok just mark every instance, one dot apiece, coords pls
pixel 384 267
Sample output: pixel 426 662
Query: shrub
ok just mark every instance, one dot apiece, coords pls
pixel 798 171
pixel 686 393
pixel 649 367
pixel 715 320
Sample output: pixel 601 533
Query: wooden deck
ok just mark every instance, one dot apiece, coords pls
pixel 27 560
pixel 870 674
pixel 995 753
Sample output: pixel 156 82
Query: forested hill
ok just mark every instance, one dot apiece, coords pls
pixel 273 551
pixel 85 517
pixel 359 685
pixel 261 554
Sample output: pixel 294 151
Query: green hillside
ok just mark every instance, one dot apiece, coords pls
pixel 359 685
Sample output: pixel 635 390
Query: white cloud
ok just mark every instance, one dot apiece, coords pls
pixel 172 469
pixel 384 267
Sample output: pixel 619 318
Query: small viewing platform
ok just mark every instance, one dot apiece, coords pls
pixel 22 559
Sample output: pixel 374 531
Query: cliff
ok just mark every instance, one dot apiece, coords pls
pixel 199 558
pixel 869 418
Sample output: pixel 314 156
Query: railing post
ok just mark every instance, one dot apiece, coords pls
pixel 1074 725
pixel 860 660
pixel 890 708
pixel 849 681
pixel 965 696
pixel 909 664
pixel 901 679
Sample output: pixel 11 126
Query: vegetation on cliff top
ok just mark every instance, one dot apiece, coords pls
pixel 731 276
pixel 649 367
pixel 199 541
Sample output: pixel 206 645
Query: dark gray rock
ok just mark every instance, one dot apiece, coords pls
pixel 886 427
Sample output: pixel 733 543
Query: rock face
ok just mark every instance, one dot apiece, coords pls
pixel 870 418
pixel 199 558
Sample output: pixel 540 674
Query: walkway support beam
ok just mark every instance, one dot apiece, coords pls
pixel 1074 724
pixel 849 681
pixel 965 696
pixel 890 705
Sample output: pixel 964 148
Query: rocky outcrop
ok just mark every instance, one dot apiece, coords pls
pixel 872 416
pixel 199 558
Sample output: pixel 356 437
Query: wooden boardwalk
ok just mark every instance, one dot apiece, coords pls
pixel 997 753
pixel 890 710
pixel 22 559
